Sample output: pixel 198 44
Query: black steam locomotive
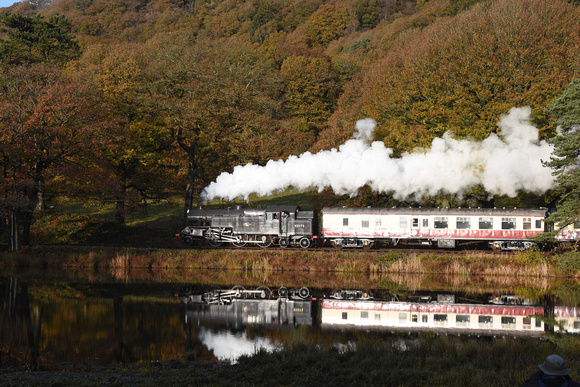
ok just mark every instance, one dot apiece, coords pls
pixel 276 225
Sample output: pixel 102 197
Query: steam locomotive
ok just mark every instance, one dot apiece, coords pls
pixel 275 225
pixel 347 227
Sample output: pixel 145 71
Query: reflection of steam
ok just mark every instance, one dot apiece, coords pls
pixel 227 346
pixel 502 165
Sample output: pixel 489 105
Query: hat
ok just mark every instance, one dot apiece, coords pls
pixel 554 365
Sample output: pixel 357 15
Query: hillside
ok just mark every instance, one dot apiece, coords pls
pixel 135 100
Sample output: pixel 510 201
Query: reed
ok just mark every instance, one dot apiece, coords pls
pixel 533 264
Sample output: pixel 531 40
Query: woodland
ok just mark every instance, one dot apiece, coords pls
pixel 134 101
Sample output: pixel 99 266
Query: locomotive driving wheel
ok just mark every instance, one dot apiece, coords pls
pixel 284 242
pixel 265 292
pixel 264 241
pixel 305 243
pixel 214 242
pixel 240 241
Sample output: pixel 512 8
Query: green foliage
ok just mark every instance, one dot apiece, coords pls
pixel 530 257
pixel 392 257
pixel 265 12
pixel 327 24
pixel 312 88
pixel 67 229
pixel 368 13
pixel 569 262
pixel 455 6
pixel 34 40
pixel 359 44
pixel 564 161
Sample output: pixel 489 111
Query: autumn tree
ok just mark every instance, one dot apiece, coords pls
pixel 46 119
pixel 132 154
pixel 461 73
pixel 219 98
pixel 312 89
pixel 328 23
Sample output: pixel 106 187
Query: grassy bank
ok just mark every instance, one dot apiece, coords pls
pixel 522 264
pixel 404 361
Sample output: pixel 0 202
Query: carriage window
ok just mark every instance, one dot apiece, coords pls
pixel 485 223
pixel 577 225
pixel 404 221
pixel 425 318
pixel 364 314
pixel 377 316
pixel 402 316
pixel 527 321
pixel 462 318
pixel 441 222
pixel 377 222
pixel 508 223
pixel 527 223
pixel 485 320
pixel 538 223
pixel 425 222
pixel 365 222
pixel 415 222
pixel 463 223
pixel 508 320
pixel 440 317
pixel 345 222
pixel 344 315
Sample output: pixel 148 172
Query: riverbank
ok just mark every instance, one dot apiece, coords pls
pixel 531 263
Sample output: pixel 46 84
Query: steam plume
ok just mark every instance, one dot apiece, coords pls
pixel 503 165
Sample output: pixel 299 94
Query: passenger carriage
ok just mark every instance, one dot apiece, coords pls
pixel 505 229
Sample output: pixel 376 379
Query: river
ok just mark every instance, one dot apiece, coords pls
pixel 54 320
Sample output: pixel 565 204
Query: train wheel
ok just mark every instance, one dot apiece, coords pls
pixel 214 242
pixel 303 292
pixel 239 289
pixel 265 241
pixel 283 292
pixel 284 242
pixel 265 292
pixel 305 243
pixel 240 242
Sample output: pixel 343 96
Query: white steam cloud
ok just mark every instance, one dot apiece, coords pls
pixel 503 165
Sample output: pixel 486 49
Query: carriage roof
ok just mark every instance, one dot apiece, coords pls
pixel 444 211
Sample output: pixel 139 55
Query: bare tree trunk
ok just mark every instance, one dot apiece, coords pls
pixel 13 232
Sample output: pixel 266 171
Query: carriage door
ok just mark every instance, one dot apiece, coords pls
pixel 415 226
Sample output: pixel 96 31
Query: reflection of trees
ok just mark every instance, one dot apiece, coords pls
pixel 195 350
pixel 84 330
pixel 20 326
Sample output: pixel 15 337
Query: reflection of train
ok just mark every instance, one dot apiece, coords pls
pixel 440 316
pixel 345 309
pixel 238 307
pixel 504 229
pixel 567 319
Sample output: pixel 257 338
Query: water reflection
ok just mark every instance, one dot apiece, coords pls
pixel 51 325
